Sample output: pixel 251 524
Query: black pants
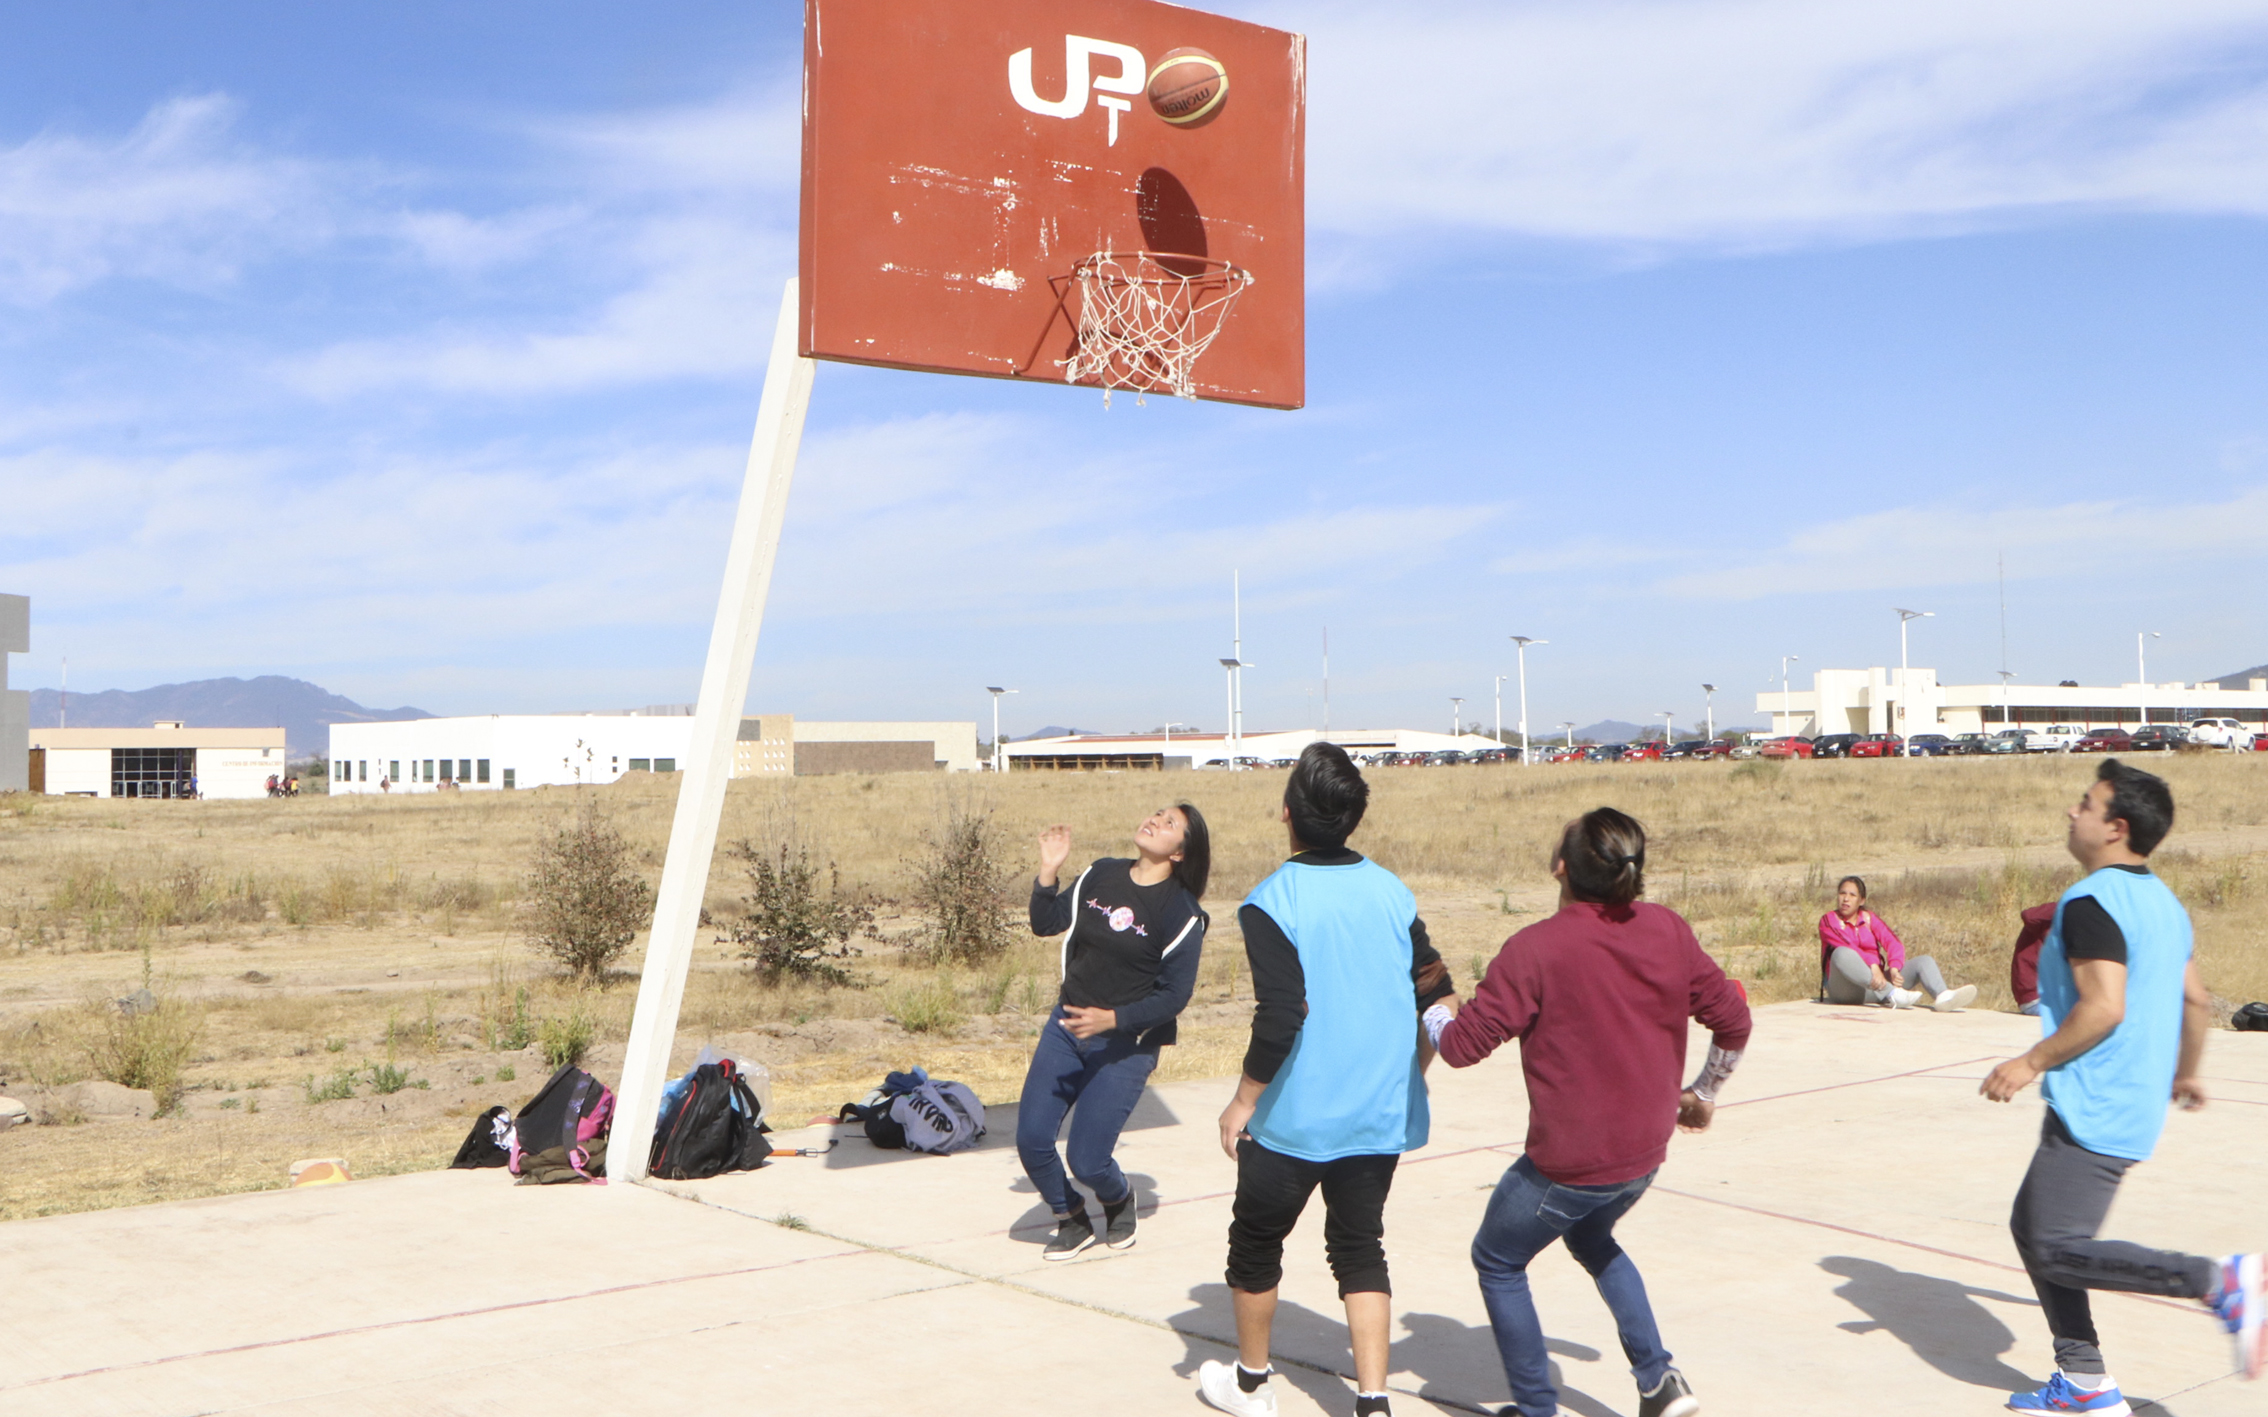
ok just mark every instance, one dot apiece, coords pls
pixel 1271 1191
pixel 2061 1205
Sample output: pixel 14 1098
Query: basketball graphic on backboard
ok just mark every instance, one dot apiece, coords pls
pixel 986 184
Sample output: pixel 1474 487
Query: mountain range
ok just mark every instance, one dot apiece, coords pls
pixel 304 711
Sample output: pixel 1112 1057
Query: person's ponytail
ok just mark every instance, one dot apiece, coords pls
pixel 1195 868
pixel 1605 855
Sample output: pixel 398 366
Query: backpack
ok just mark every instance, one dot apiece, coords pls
pixel 560 1134
pixel 485 1143
pixel 912 1112
pixel 2252 1018
pixel 710 1122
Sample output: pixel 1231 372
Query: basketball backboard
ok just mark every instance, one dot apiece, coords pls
pixel 961 157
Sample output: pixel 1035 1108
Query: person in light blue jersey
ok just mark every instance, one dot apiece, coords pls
pixel 1333 1090
pixel 2125 1019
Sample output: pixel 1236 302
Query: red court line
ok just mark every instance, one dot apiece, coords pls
pixel 1859 1082
pixel 360 1329
pixel 2182 1304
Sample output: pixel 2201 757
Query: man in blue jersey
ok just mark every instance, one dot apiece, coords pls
pixel 2125 1019
pixel 1333 1090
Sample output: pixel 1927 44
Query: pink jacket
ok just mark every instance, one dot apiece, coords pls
pixel 1872 938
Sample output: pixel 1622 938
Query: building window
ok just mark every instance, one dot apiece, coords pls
pixel 393 769
pixel 483 766
pixel 641 765
pixel 665 765
pixel 464 769
pixel 509 784
pixel 445 766
pixel 429 769
pixel 152 772
pixel 362 770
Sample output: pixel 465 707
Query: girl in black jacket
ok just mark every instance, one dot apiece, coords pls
pixel 1132 937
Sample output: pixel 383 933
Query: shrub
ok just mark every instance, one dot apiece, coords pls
pixel 145 1047
pixel 791 930
pixel 588 903
pixel 337 1088
pixel 929 1007
pixel 386 1079
pixel 565 1040
pixel 960 884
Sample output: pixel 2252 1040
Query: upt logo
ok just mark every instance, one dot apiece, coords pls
pixel 1078 50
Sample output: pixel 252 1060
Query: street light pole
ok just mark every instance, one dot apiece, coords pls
pixel 2142 672
pixel 1787 701
pixel 2005 676
pixel 1905 748
pixel 1456 717
pixel 1569 725
pixel 1235 735
pixel 1523 641
pixel 1669 724
pixel 999 759
pixel 1709 732
pixel 1500 708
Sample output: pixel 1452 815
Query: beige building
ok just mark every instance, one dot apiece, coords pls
pixel 15 704
pixel 164 760
pixel 1912 701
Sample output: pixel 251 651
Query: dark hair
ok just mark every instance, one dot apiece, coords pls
pixel 1859 881
pixel 1605 854
pixel 2141 800
pixel 1195 867
pixel 1326 796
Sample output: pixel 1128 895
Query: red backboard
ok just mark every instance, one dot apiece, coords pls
pixel 960 158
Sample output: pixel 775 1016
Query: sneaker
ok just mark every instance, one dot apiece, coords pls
pixel 1073 1233
pixel 1671 1397
pixel 1118 1224
pixel 2060 1396
pixel 1954 1000
pixel 1904 998
pixel 1217 1384
pixel 2241 1308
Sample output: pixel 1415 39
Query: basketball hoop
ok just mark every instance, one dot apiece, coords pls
pixel 1145 317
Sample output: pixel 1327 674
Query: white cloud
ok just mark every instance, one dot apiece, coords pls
pixel 1777 122
pixel 1953 545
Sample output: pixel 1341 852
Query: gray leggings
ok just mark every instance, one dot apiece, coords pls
pixel 1848 978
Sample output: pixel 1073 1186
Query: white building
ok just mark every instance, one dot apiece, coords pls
pixel 495 752
pixel 15 704
pixel 1912 701
pixel 1103 752
pixel 163 760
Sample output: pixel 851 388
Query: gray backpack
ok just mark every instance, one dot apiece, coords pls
pixel 912 1111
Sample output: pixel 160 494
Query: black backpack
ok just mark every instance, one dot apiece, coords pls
pixel 714 1124
pixel 2252 1018
pixel 482 1148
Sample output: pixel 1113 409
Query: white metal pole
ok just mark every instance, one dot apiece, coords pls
pixel 1709 731
pixel 2142 672
pixel 1524 754
pixel 1500 710
pixel 1456 716
pixel 716 723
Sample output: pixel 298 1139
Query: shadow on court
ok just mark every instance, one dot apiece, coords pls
pixel 1939 1319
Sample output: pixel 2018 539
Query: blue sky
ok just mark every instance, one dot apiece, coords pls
pixel 415 351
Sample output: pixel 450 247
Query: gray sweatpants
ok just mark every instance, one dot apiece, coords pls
pixel 1848 976
pixel 2060 1206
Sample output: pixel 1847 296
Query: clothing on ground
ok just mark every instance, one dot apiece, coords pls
pixel 1271 1191
pixel 2114 1096
pixel 1869 936
pixel 1849 981
pixel 2024 964
pixel 2058 1212
pixel 1127 947
pixel 1351 1084
pixel 1631 973
pixel 1526 1213
pixel 1103 1077
pixel 1279 985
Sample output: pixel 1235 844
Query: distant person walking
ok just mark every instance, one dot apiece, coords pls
pixel 1598 995
pixel 1862 961
pixel 1333 1090
pixel 1133 935
pixel 2125 1018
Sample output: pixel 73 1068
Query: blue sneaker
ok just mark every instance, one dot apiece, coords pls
pixel 2242 1309
pixel 2060 1396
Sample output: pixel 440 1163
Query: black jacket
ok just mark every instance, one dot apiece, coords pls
pixel 1130 948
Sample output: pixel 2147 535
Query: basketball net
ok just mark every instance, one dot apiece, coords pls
pixel 1145 318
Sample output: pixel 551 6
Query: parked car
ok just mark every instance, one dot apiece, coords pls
pixel 1745 748
pixel 1930 745
pixel 1877 745
pixel 1568 755
pixel 1642 752
pixel 2221 733
pixel 1833 745
pixel 2054 738
pixel 2104 740
pixel 1684 749
pixel 2007 740
pixel 1717 748
pixel 1964 744
pixel 1605 752
pixel 2156 738
pixel 1791 746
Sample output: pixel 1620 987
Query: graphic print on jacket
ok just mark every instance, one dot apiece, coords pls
pixel 1126 947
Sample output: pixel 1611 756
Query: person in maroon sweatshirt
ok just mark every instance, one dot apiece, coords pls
pixel 1598 996
pixel 2024 964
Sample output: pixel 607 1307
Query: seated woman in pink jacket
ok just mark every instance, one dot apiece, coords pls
pixel 1861 961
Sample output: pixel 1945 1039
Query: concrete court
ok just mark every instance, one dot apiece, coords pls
pixel 1837 1242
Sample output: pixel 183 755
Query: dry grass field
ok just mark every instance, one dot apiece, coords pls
pixel 349 977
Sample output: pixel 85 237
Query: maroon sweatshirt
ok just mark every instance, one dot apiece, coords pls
pixel 2024 965
pixel 1598 996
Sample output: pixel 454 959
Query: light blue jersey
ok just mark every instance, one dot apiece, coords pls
pixel 1351 1085
pixel 2114 1096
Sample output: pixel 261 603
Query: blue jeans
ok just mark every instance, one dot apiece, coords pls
pixel 1104 1075
pixel 1528 1212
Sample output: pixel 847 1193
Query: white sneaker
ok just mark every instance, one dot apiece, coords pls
pixel 1904 998
pixel 1217 1384
pixel 1954 1000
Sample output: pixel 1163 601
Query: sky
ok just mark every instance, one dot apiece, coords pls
pixel 414 350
